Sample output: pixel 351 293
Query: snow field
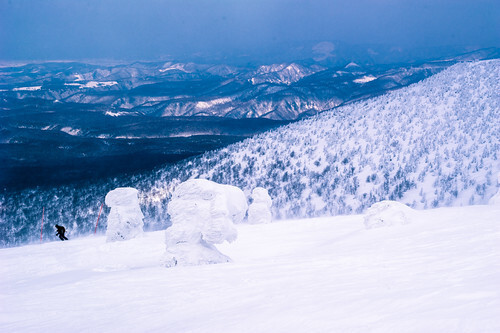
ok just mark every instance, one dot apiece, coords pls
pixel 440 273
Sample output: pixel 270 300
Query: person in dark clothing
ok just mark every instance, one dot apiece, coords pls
pixel 60 232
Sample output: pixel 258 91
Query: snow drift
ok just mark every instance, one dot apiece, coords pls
pixel 125 218
pixel 203 213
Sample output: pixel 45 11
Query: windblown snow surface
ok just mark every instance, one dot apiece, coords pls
pixel 439 273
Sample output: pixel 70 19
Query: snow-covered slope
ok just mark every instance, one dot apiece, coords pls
pixel 435 143
pixel 283 73
pixel 441 273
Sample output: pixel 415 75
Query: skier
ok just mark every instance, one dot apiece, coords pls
pixel 60 232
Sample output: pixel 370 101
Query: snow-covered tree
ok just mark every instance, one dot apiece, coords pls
pixel 387 213
pixel 495 200
pixel 259 210
pixel 202 213
pixel 125 218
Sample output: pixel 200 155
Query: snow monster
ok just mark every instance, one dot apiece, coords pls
pixel 125 218
pixel 259 210
pixel 202 213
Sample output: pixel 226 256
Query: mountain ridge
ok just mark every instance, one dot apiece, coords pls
pixel 281 91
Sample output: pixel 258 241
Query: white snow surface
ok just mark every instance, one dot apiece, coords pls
pixel 71 131
pixel 116 114
pixel 209 104
pixel 202 213
pixel 438 274
pixel 282 73
pixel 95 84
pixel 125 218
pixel 35 88
pixel 365 79
pixel 352 64
pixel 92 84
pixel 259 210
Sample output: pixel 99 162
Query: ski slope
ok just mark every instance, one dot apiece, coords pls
pixel 440 273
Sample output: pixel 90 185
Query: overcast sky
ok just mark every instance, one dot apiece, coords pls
pixel 154 29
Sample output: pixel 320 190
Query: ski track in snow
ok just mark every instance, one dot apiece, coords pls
pixel 440 273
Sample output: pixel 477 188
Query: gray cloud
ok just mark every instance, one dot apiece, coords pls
pixel 154 29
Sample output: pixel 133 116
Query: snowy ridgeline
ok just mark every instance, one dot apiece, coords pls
pixel 435 143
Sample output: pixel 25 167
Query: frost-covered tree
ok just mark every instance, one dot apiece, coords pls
pixel 495 200
pixel 203 213
pixel 125 218
pixel 387 213
pixel 259 210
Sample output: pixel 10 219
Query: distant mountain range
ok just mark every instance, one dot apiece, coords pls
pixel 285 91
